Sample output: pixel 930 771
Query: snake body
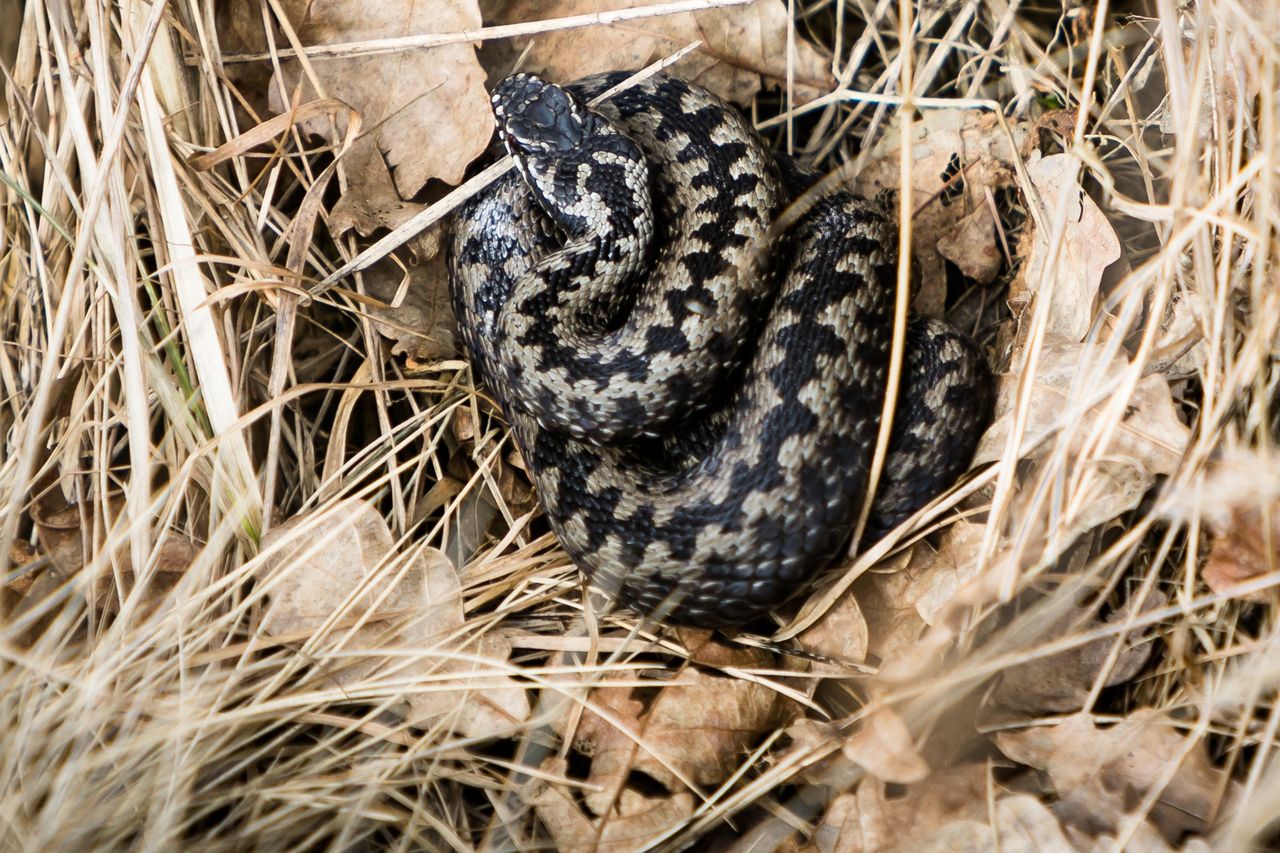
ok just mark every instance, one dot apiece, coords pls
pixel 697 402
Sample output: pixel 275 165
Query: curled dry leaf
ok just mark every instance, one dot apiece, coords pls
pixel 871 819
pixel 637 819
pixel 335 567
pixel 64 541
pixel 328 570
pixel 1072 266
pixel 418 315
pixel 1062 682
pixel 741 45
pixel 1102 775
pixel 1022 825
pixel 1240 501
pixel 697 730
pixel 431 128
pixel 840 635
pixel 60 533
pixel 885 749
pixel 958 157
pixel 1147 443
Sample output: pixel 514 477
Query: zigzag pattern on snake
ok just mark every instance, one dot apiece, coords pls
pixel 697 404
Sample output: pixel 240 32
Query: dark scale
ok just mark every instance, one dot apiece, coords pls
pixel 705 451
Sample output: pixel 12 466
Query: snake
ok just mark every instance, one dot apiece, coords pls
pixel 695 391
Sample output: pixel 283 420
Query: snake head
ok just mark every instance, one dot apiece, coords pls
pixel 574 160
pixel 537 118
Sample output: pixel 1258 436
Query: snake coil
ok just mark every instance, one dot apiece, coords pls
pixel 697 403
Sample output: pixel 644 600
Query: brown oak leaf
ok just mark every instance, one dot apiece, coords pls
pixel 1069 267
pixel 958 157
pixel 425 112
pixel 696 730
pixel 1102 774
pixel 634 822
pixel 1063 681
pixel 742 45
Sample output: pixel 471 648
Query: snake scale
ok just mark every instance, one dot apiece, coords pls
pixel 697 400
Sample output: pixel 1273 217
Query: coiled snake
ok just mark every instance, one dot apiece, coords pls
pixel 697 404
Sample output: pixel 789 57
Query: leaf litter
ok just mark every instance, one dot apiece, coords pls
pixel 398 640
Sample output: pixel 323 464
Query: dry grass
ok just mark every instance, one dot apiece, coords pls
pixel 168 396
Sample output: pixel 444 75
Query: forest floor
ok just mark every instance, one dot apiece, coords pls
pixel 275 576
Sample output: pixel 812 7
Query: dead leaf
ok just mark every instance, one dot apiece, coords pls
pixel 334 567
pixel 841 635
pixel 66 543
pixel 972 246
pixel 697 730
pixel 1244 549
pixel 871 819
pixel 22 555
pixel 1062 682
pixel 1240 503
pixel 961 836
pixel 1148 442
pixel 931 578
pixel 482 701
pixel 11 10
pixel 1147 839
pixel 894 626
pixel 838 831
pixel 166 565
pixel 958 158
pixel 1233 37
pixel 637 819
pixel 1025 825
pixel 463 425
pixel 419 316
pixel 59 532
pixel 742 45
pixel 426 112
pixel 1101 775
pixel 515 487
pixel 1088 245
pixel 885 749
pixel 1022 824
pixel 901 601
pixel 1184 340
